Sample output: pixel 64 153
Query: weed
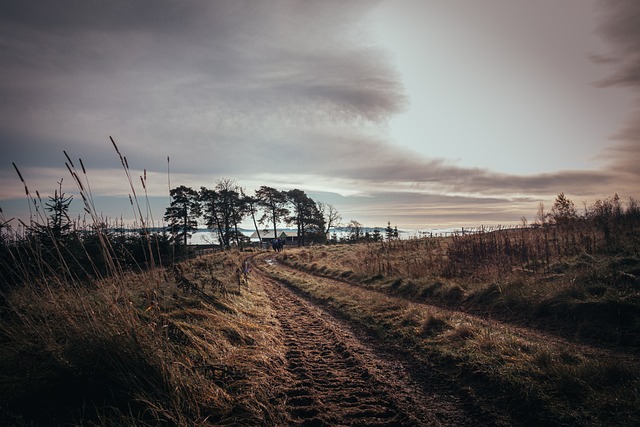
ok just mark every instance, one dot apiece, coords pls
pixel 433 326
pixel 432 289
pixel 463 331
pixel 411 317
pixel 94 330
pixel 453 294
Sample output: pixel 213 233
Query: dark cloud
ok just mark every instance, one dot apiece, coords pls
pixel 368 160
pixel 206 81
pixel 158 17
pixel 239 88
pixel 620 28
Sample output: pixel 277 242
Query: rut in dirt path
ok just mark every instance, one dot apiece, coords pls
pixel 334 379
pixel 526 332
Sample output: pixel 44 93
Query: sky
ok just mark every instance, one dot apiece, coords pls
pixel 422 113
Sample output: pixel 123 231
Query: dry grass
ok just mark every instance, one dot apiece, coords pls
pixel 94 331
pixel 506 274
pixel 198 345
pixel 138 350
pixel 554 378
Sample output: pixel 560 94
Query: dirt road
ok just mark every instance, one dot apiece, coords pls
pixel 333 377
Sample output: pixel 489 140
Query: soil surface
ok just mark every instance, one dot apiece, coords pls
pixel 336 376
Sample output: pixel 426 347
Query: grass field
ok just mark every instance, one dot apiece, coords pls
pixel 139 350
pixel 542 321
pixel 593 296
pixel 560 343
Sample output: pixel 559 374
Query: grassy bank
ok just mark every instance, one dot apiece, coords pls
pixel 534 377
pixel 160 347
pixel 590 293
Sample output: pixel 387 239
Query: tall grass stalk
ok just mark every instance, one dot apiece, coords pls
pixel 123 345
pixel 134 201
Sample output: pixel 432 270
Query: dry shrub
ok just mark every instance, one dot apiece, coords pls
pixel 432 326
pixel 463 331
pixel 453 294
pixel 411 317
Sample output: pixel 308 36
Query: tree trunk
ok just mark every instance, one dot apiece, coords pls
pixel 255 224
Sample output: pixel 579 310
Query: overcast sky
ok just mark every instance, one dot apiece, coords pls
pixel 425 113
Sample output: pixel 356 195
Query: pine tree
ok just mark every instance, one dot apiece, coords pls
pixel 182 215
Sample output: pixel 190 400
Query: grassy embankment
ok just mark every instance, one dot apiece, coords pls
pixel 138 350
pixel 536 376
pixel 569 282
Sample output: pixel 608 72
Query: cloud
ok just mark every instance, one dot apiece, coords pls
pixel 162 74
pixel 296 92
pixel 620 28
pixel 429 211
pixel 223 88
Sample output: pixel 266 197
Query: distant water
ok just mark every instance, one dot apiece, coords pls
pixel 206 237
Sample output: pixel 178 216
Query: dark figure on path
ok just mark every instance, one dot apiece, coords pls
pixel 277 245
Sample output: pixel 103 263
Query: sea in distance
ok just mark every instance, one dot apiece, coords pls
pixel 205 236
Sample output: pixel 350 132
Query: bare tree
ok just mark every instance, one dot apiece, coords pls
pixel 355 230
pixel 541 215
pixel 331 216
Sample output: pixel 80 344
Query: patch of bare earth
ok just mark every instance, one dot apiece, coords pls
pixel 333 378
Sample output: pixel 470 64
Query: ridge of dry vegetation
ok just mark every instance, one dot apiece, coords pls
pixel 550 328
pixel 592 296
pixel 145 349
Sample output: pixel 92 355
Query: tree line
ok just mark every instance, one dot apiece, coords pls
pixel 61 247
pixel 222 208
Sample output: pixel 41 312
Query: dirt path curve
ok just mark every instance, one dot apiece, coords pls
pixel 335 379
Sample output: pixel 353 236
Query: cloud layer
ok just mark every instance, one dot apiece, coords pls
pixel 297 91
pixel 620 28
pixel 217 77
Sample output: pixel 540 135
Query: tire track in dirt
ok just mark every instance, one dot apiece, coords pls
pixel 529 333
pixel 334 379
